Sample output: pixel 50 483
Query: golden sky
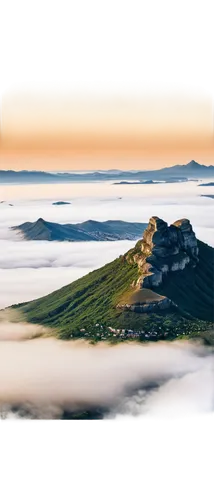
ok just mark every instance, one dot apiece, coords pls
pixel 60 132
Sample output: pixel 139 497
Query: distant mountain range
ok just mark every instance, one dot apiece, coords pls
pixel 179 172
pixel 90 230
pixel 162 288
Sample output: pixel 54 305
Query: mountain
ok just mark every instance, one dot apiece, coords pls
pixel 164 286
pixel 90 230
pixel 61 203
pixel 207 184
pixel 169 180
pixel 178 172
pixel 26 176
pixel 134 182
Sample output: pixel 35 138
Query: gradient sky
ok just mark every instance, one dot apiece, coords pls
pixel 86 126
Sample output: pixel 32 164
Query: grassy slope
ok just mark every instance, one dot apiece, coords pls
pixel 93 298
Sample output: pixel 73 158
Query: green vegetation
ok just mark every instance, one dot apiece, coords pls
pixel 76 309
pixel 88 300
pixel 143 295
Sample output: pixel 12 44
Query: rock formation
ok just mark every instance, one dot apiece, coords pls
pixel 164 249
pixel 148 307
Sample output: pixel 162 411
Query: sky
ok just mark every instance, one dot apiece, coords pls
pixel 82 126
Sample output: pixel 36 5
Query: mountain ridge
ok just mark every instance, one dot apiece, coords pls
pixel 90 230
pixel 189 169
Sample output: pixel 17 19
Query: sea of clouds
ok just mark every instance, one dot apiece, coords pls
pixel 46 376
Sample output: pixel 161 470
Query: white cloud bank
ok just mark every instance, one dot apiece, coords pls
pixel 39 254
pixel 102 201
pixel 29 270
pixel 48 376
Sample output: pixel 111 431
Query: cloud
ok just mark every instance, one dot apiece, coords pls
pixel 21 285
pixel 20 331
pixel 38 254
pixel 174 396
pixel 32 269
pixel 106 201
pixel 47 376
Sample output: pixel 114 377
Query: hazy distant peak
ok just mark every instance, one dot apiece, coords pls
pixel 41 220
pixel 193 164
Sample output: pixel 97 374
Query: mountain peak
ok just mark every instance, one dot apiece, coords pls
pixel 156 222
pixel 40 221
pixel 182 223
pixel 193 164
pixel 164 249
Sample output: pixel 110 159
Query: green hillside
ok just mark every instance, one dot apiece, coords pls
pixel 93 299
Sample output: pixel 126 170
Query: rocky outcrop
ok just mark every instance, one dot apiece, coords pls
pixel 149 307
pixel 164 249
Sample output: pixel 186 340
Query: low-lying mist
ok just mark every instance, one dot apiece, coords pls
pixel 44 377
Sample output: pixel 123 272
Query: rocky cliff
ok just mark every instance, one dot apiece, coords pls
pixel 149 306
pixel 164 249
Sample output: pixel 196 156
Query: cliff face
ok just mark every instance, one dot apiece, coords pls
pixel 148 307
pixel 165 249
